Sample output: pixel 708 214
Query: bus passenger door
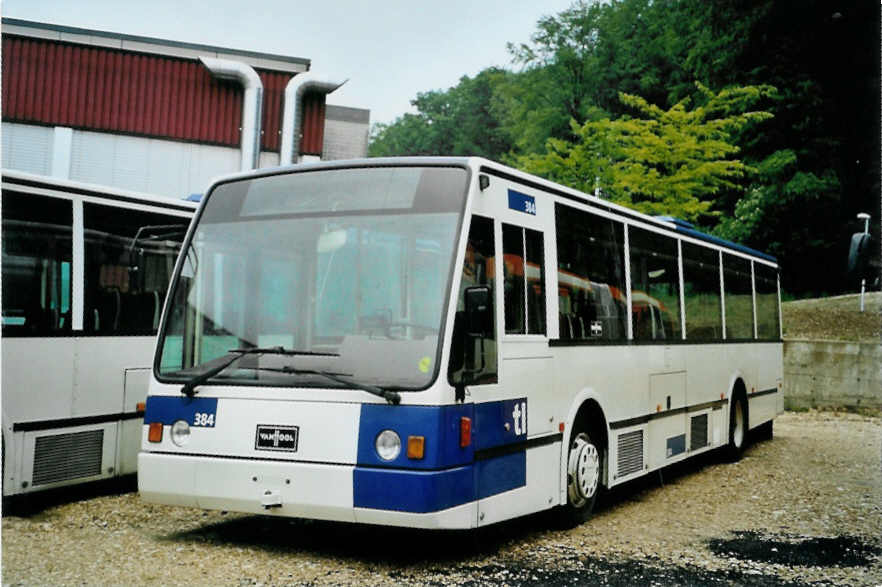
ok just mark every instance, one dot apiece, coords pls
pixel 521 406
pixel 522 238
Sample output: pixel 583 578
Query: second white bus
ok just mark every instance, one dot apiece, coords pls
pixel 85 272
pixel 446 343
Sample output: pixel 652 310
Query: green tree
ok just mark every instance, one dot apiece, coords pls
pixel 458 121
pixel 659 161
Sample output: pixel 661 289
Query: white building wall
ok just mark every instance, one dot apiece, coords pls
pixel 27 147
pixel 156 166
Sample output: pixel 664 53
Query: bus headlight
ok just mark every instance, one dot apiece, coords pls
pixel 180 433
pixel 388 445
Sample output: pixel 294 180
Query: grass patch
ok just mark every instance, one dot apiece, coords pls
pixel 835 318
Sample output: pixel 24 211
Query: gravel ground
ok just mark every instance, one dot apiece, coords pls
pixel 804 508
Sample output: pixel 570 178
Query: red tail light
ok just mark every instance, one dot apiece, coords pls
pixel 465 432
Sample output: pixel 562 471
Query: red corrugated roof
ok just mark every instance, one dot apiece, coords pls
pixel 111 90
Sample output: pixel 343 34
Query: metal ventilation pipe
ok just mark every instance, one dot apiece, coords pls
pixel 252 104
pixel 292 115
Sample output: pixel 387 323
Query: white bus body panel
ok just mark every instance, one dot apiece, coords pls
pixel 69 378
pixel 307 490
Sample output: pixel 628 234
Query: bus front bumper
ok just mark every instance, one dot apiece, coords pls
pixel 288 489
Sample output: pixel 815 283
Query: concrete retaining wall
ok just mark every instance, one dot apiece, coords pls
pixel 824 374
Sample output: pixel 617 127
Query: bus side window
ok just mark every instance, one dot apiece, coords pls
pixel 590 276
pixel 739 297
pixel 655 285
pixel 473 359
pixel 128 260
pixel 701 293
pixel 767 311
pixel 37 257
pixel 524 274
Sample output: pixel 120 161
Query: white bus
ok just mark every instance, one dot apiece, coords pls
pixel 85 270
pixel 446 343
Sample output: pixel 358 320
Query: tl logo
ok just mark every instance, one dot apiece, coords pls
pixel 519 417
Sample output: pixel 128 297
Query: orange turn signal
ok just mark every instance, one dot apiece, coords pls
pixel 415 446
pixel 140 407
pixel 155 432
pixel 465 432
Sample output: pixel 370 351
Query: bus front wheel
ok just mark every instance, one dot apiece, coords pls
pixel 584 470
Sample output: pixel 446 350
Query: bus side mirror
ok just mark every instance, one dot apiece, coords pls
pixel 479 310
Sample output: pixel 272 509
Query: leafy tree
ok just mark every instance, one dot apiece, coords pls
pixel 456 121
pixel 660 161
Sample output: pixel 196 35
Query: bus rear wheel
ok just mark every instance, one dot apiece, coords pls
pixel 737 428
pixel 584 470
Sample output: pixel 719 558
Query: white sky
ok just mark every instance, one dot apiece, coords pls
pixel 388 49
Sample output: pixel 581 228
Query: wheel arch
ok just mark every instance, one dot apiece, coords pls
pixel 738 386
pixel 586 406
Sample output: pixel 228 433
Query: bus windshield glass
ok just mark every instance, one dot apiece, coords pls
pixel 349 269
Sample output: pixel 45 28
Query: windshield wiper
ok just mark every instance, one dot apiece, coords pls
pixel 189 387
pixel 393 397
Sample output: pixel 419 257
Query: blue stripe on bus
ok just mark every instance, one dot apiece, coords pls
pixel 431 491
pixel 169 409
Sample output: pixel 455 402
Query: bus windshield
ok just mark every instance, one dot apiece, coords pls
pixel 349 268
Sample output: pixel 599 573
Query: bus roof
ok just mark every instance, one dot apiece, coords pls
pixel 497 169
pixel 12 179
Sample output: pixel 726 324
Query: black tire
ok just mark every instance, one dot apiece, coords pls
pixel 738 427
pixel 584 477
pixel 765 431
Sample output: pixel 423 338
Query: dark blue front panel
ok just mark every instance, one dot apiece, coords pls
pixel 501 474
pixel 438 424
pixel 432 491
pixel 413 491
pixel 448 475
pixel 500 423
pixel 196 411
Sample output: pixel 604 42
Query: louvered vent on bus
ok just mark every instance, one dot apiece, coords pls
pixel 67 456
pixel 698 432
pixel 630 453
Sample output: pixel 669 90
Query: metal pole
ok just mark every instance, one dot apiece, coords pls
pixel 866 218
